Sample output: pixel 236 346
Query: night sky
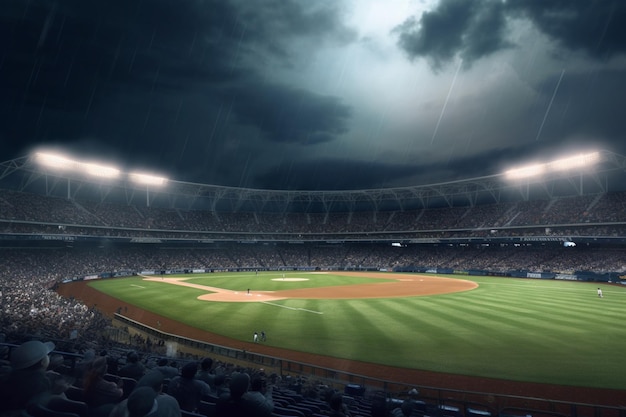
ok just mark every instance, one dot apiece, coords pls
pixel 313 95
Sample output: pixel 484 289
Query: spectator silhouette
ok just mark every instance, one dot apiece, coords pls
pixel 337 407
pixel 188 390
pixel 258 399
pixel 221 386
pixel 166 369
pixel 154 401
pixel 27 382
pixel 232 404
pixel 133 368
pixel 205 373
pixel 246 398
pixel 101 395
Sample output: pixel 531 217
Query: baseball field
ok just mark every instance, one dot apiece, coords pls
pixel 527 330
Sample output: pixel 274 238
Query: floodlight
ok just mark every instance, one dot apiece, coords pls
pixel 98 170
pixel 564 164
pixel 147 179
pixel 577 161
pixel 525 172
pixel 59 161
pixel 55 160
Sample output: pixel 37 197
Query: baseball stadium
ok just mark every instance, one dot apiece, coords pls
pixel 485 297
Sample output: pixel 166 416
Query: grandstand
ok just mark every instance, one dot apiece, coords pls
pixel 41 206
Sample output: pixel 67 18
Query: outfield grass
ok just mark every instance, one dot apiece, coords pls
pixel 547 331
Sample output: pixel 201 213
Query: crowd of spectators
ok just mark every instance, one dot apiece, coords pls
pixel 32 213
pixel 37 375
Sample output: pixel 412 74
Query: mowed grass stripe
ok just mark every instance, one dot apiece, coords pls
pixel 274 281
pixel 514 352
pixel 531 317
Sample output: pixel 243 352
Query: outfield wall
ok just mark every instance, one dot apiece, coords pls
pixel 589 276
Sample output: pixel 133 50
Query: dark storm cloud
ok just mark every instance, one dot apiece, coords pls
pixel 468 29
pixel 137 74
pixel 596 27
pixel 290 115
pixel 343 174
pixel 472 30
pixel 65 60
pixel 271 23
pixel 336 174
pixel 586 106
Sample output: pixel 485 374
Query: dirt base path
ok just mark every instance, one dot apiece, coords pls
pixel 400 286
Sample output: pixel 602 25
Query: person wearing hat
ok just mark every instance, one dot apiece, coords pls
pixel 188 390
pixel 27 381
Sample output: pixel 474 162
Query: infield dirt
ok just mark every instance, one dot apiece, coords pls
pixel 397 286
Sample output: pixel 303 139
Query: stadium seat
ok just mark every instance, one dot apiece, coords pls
pixel 476 412
pixel 58 403
pixel 449 411
pixel 207 408
pixel 129 385
pixel 523 412
pixel 513 413
pixel 184 413
pixel 75 393
pixel 111 377
pixel 38 410
pixel 290 412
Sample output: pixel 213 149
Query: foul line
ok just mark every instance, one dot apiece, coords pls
pixel 292 308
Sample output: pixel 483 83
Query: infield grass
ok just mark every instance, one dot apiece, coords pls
pixel 547 331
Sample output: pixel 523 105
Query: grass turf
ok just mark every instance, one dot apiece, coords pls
pixel 556 332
